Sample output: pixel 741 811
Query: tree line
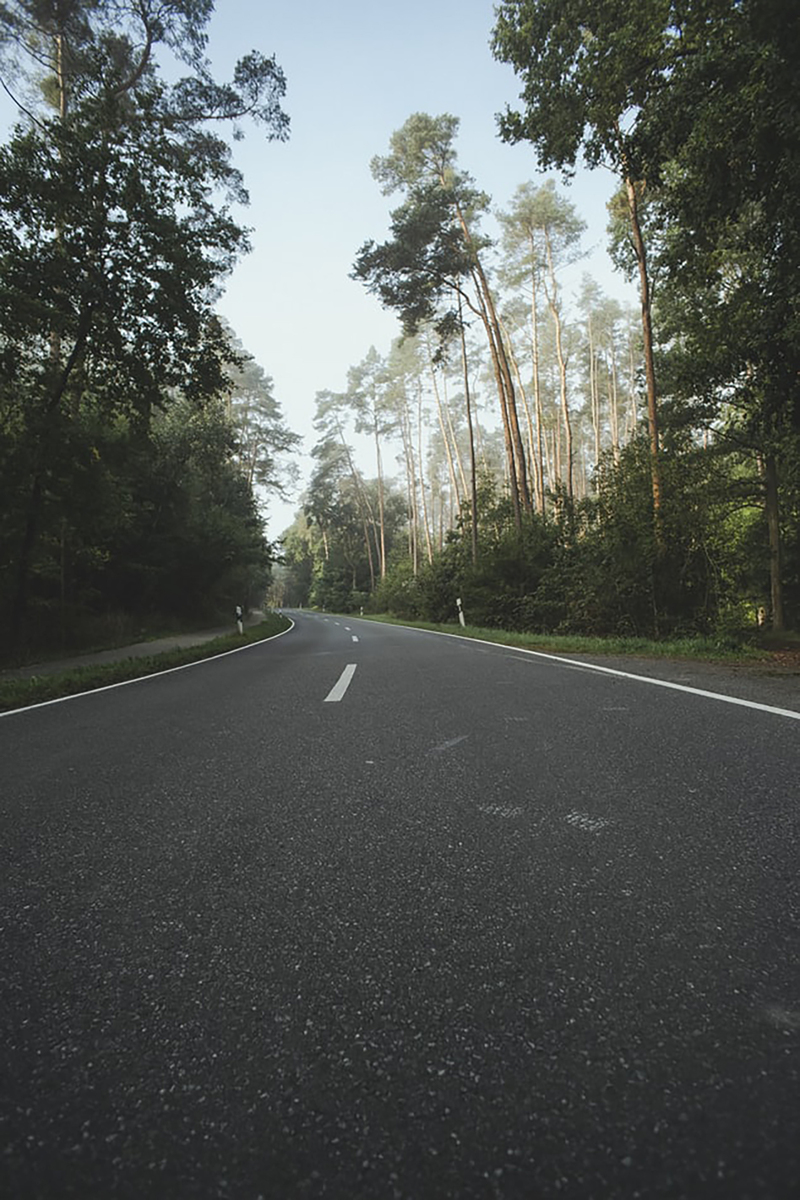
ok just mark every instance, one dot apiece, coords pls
pixel 135 431
pixel 645 477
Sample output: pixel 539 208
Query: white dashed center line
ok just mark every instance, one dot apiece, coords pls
pixel 355 639
pixel 341 686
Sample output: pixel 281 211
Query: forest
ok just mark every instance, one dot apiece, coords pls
pixel 136 432
pixel 553 459
pixel 573 465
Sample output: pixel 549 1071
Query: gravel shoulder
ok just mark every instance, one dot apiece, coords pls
pixel 774 681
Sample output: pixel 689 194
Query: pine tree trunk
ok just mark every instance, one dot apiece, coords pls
pixel 454 442
pixel 445 439
pixel 411 484
pixel 363 503
pixel 649 360
pixel 772 509
pixel 552 298
pixel 423 494
pixel 537 386
pixel 473 470
pixel 381 514
pixel 520 494
pixel 594 392
pixel 613 409
pixel 528 417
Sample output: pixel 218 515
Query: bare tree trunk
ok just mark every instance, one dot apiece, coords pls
pixel 428 544
pixel 445 439
pixel 613 409
pixel 508 436
pixel 594 392
pixel 555 434
pixel 552 298
pixel 473 472
pixel 368 545
pixel 411 486
pixel 481 445
pixel 583 486
pixel 381 514
pixel 537 386
pixel 649 361
pixel 534 458
pixel 769 472
pixel 454 441
pixel 505 386
pixel 633 414
pixel 363 501
pixel 549 461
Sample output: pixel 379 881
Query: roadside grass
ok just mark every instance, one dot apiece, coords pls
pixel 707 649
pixel 18 693
pixel 111 635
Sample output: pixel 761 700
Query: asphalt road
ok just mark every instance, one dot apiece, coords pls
pixel 458 923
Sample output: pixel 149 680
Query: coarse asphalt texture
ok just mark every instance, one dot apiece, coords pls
pixel 484 925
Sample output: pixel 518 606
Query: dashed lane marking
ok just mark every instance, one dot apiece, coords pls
pixel 341 685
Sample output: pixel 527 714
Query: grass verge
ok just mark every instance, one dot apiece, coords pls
pixel 706 649
pixel 18 693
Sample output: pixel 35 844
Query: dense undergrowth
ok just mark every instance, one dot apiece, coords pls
pixel 709 649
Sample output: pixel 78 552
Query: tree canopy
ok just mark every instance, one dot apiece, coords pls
pixel 116 229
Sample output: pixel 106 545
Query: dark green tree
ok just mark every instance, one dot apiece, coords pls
pixel 723 149
pixel 114 234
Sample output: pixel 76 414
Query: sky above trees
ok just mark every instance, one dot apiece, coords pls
pixel 355 71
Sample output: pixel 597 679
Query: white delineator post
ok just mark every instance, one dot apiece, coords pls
pixel 462 622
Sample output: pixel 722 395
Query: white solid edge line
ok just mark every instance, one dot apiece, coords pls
pixel 573 662
pixel 342 684
pixel 107 687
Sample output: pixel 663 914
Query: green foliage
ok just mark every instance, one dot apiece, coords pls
pixel 422 264
pixel 114 235
pixel 150 522
pixel 698 648
pixel 585 66
pixel 700 100
pixel 594 568
pixel 430 255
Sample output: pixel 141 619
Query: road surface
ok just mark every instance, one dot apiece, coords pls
pixel 364 912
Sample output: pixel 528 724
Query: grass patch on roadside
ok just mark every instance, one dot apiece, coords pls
pixel 707 649
pixel 112 635
pixel 18 693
